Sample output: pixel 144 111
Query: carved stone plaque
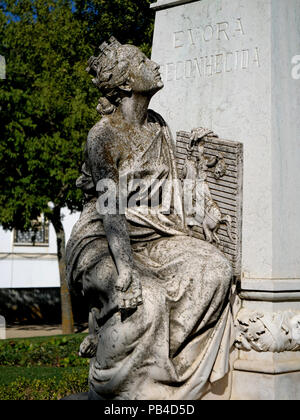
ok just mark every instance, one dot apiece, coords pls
pixel 225 182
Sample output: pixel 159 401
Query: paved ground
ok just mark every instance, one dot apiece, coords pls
pixel 25 331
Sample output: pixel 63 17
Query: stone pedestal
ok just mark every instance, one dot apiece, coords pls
pixel 231 65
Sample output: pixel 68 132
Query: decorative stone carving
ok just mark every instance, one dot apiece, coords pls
pixel 268 332
pixel 217 165
pixel 206 212
pixel 220 168
pixel 160 319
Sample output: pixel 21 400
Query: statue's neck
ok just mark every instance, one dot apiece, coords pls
pixel 134 109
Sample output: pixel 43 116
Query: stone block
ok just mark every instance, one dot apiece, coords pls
pixel 262 386
pixel 227 65
pixel 233 66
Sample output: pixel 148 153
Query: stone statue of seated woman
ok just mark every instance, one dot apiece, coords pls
pixel 160 319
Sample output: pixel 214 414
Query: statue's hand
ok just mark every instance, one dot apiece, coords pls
pixel 129 289
pixel 88 347
pixel 124 279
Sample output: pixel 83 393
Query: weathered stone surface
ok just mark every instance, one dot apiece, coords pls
pixel 267 331
pixel 234 65
pixel 222 177
pixel 160 319
pixel 228 64
pixel 260 386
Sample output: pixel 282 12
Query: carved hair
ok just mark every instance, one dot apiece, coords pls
pixel 111 71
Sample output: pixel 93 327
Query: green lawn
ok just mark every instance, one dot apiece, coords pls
pixel 10 374
pixel 45 339
pixel 56 351
pixel 46 368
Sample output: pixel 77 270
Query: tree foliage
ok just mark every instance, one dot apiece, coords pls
pixel 130 21
pixel 47 101
pixel 48 104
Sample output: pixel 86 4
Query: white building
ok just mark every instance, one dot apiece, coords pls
pixel 24 265
pixel 28 271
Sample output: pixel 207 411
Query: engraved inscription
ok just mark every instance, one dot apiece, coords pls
pixel 221 31
pixel 210 65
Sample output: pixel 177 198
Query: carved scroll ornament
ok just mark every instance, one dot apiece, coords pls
pixel 268 332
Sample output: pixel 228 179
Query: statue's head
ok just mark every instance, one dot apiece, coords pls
pixel 120 70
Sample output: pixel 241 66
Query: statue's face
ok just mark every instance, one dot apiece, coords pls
pixel 144 74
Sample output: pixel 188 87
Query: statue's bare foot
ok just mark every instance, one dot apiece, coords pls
pixel 88 347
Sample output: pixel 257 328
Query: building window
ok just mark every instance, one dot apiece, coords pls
pixel 38 235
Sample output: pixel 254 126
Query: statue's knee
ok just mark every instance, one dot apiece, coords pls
pixel 106 271
pixel 226 271
pixel 100 277
pixel 220 268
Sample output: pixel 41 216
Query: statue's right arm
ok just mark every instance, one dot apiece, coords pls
pixel 103 158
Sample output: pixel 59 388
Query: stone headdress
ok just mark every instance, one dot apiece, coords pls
pixel 110 70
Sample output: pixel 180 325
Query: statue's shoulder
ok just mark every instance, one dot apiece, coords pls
pixel 100 133
pixel 154 117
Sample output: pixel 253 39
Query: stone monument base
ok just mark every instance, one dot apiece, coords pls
pixel 263 386
pixel 229 65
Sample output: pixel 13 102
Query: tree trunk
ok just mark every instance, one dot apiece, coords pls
pixel 66 305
